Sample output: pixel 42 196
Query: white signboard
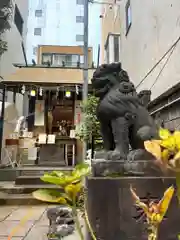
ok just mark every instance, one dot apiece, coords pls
pixel 42 138
pixel 51 139
pixel 72 134
pixel 32 154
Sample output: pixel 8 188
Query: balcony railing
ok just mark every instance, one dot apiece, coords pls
pixel 67 64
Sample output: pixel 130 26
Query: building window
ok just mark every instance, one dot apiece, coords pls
pixel 116 48
pixel 46 58
pixel 79 19
pixel 37 31
pixel 38 13
pixel 107 55
pixel 34 50
pixel 112 48
pixel 79 38
pixel 18 20
pixel 68 60
pixel 80 2
pixel 128 16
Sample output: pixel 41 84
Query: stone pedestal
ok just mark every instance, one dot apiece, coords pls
pixel 112 212
pixel 104 168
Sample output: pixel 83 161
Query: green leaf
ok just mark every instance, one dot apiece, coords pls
pixel 57 174
pixel 50 196
pixel 61 181
pixel 81 170
pixel 72 190
pixel 53 180
pixel 178 185
pixel 89 125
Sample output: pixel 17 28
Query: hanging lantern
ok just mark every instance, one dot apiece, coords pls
pixel 68 94
pixel 40 92
pixel 33 93
pixel 23 89
pixel 57 91
pixel 77 89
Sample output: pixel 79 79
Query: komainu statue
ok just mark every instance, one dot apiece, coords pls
pixel 124 119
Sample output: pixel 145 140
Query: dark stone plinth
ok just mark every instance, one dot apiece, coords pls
pixel 103 168
pixel 113 215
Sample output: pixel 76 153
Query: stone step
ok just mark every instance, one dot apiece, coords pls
pixel 10 174
pixel 47 163
pixel 12 194
pixel 19 199
pixel 26 189
pixel 29 180
pixel 45 168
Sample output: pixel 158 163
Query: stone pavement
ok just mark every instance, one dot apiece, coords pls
pixel 25 223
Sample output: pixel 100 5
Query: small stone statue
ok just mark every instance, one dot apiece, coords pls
pixel 122 113
pixel 61 222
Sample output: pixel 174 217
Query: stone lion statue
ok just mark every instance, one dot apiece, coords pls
pixel 124 119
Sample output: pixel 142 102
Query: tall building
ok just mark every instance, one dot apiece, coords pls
pixel 14 38
pixel 60 22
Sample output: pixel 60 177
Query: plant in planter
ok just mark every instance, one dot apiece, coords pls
pixel 154 212
pixel 72 196
pixel 90 125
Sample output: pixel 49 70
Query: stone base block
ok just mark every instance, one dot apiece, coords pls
pixel 114 216
pixel 103 168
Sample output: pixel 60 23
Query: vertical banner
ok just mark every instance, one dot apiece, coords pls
pixel 39 113
pixel 77 113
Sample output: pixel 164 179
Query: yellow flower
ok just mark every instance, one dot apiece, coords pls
pixel 154 148
pixel 167 150
pixel 155 211
pixel 170 141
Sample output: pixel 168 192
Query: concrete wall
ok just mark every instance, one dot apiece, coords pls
pixel 14 39
pixel 155 27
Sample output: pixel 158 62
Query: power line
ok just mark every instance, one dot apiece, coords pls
pixel 102 3
pixel 167 60
pixel 152 69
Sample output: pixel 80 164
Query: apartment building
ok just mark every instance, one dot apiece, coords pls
pixel 14 37
pixel 60 22
pixel 110 36
pixel 148 30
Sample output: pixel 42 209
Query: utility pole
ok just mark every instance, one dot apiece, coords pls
pixel 85 70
